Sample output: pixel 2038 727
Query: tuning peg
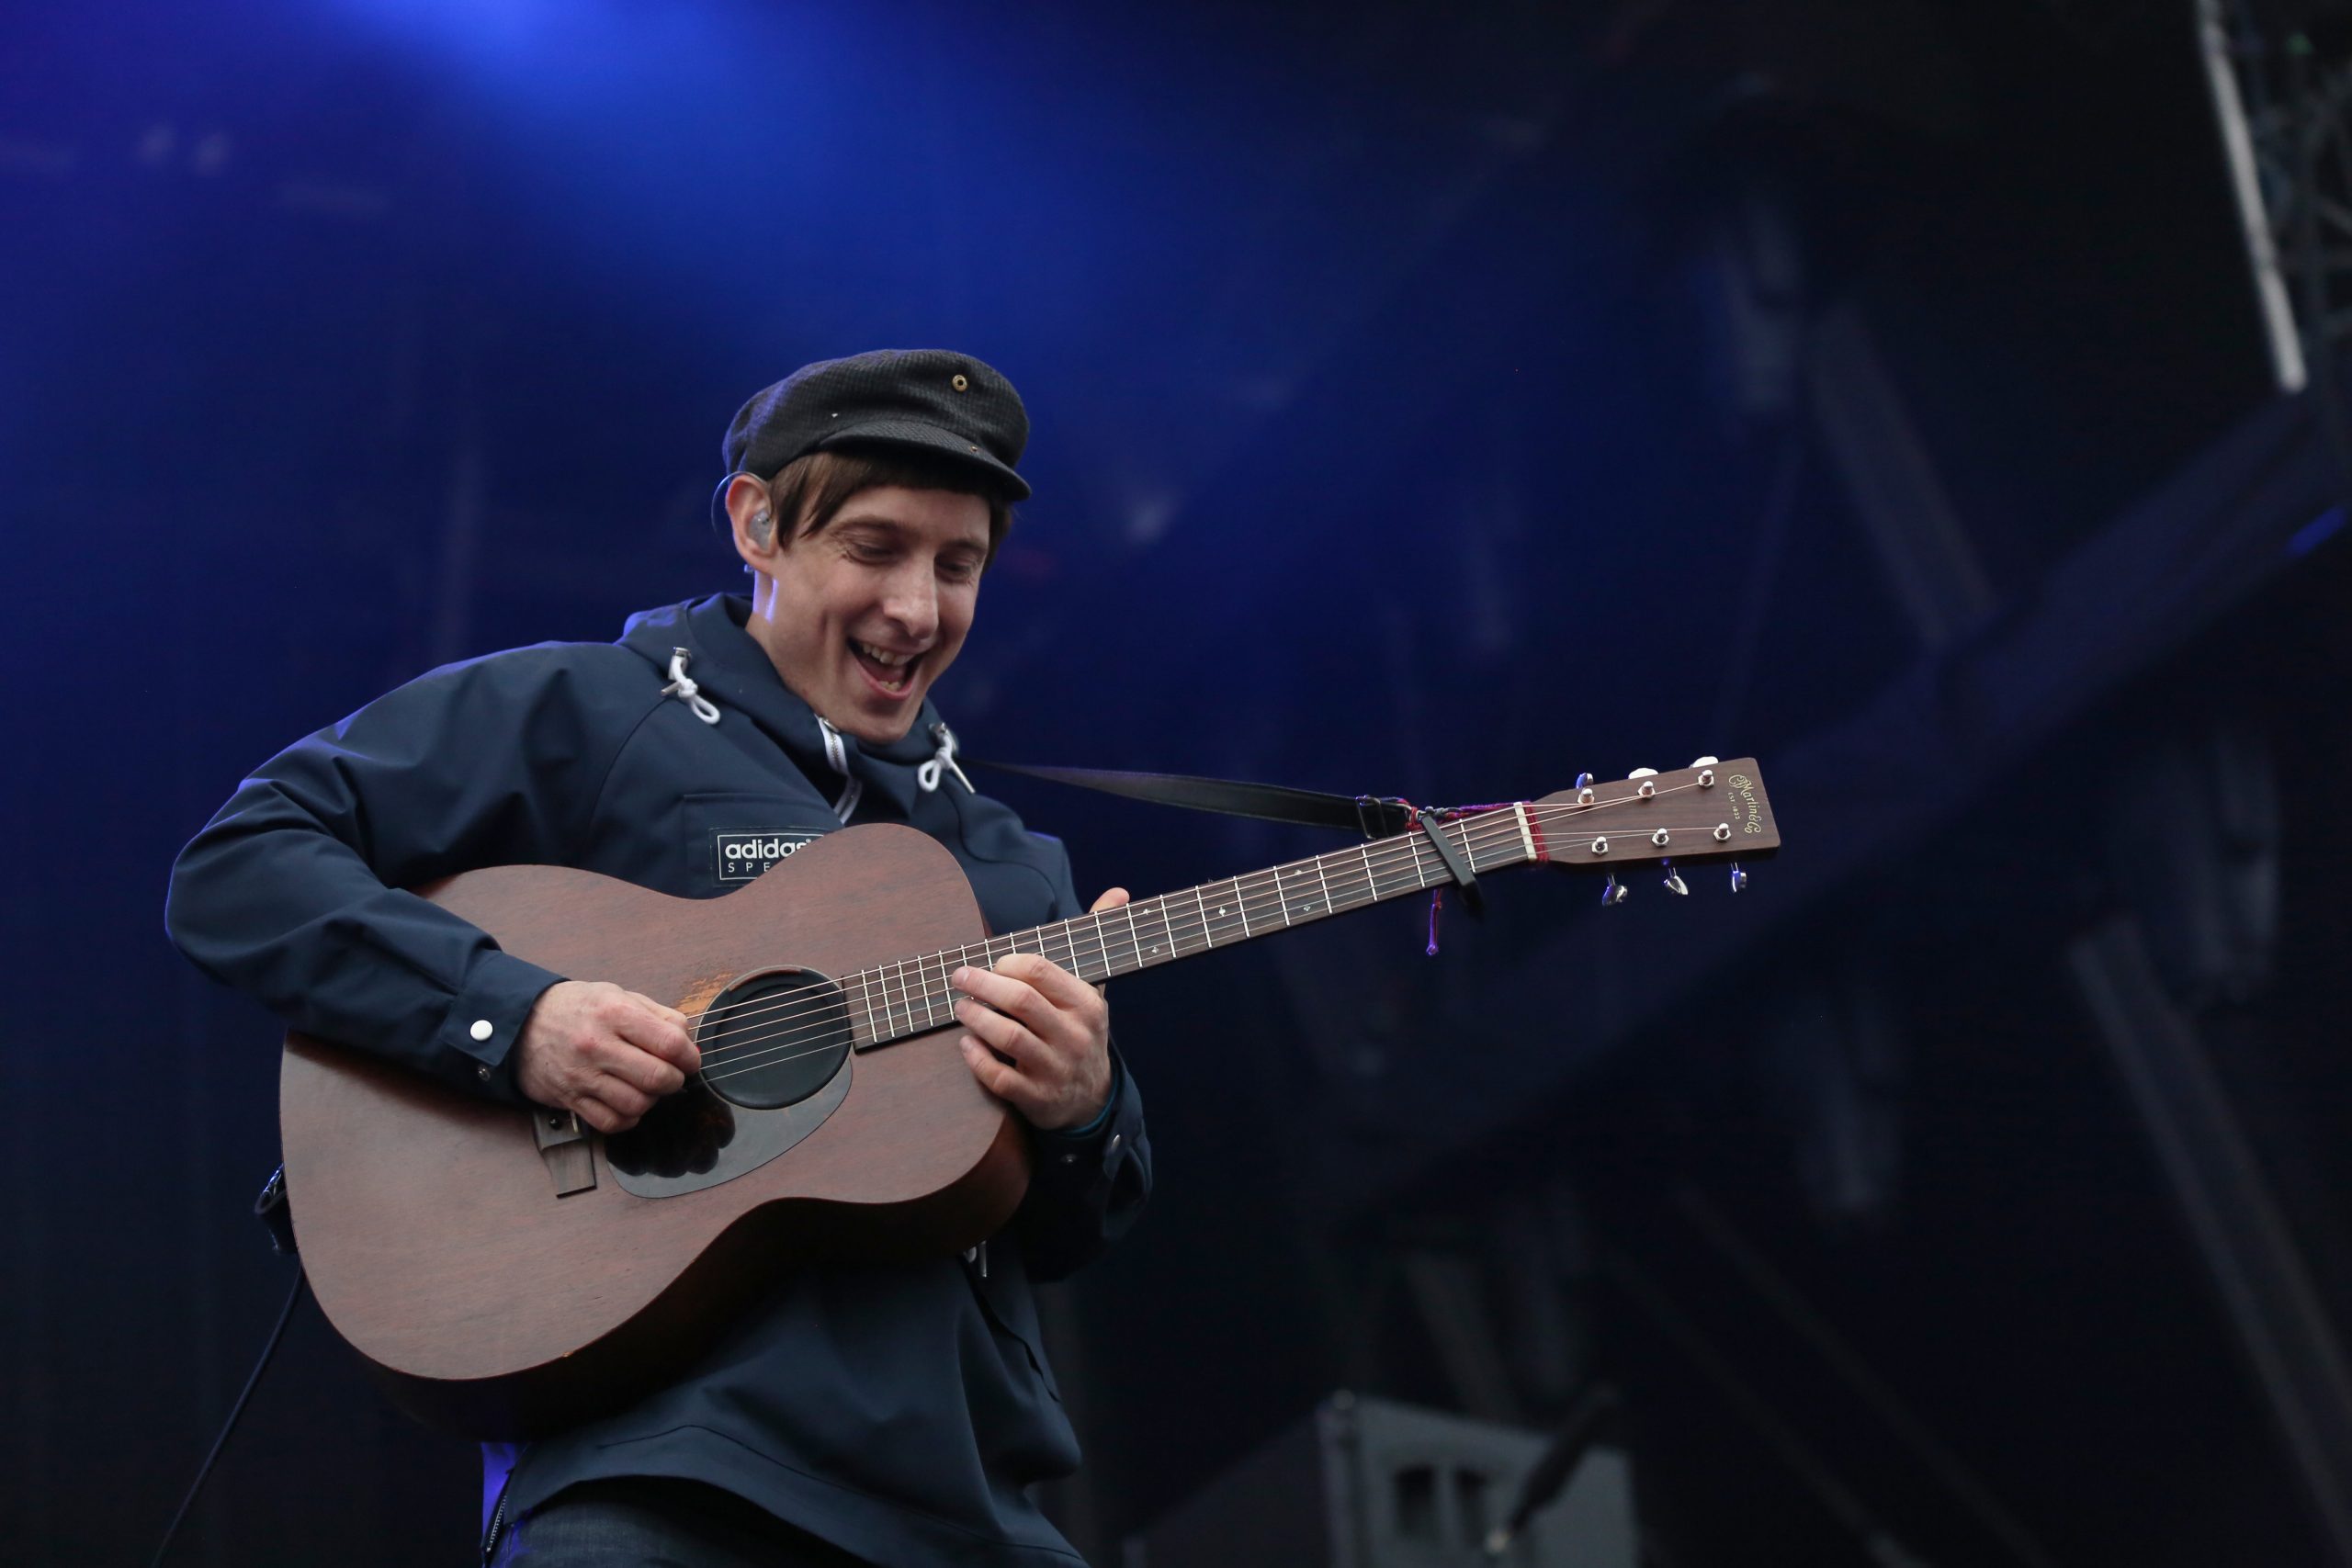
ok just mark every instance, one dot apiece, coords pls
pixel 1704 761
pixel 1673 883
pixel 1643 773
pixel 1612 894
pixel 1738 878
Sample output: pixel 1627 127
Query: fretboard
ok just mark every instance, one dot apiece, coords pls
pixel 910 996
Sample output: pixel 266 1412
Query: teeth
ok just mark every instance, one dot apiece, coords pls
pixel 888 661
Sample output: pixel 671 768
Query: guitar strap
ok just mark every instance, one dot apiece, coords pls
pixel 1374 817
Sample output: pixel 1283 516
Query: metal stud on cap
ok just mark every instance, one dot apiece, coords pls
pixel 959 383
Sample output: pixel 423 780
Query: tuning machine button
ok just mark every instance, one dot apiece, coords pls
pixel 1584 789
pixel 1704 761
pixel 1738 878
pixel 1673 883
pixel 1613 893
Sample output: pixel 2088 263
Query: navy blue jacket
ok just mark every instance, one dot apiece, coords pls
pixel 902 1412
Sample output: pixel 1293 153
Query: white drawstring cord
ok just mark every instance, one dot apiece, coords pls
pixel 683 688
pixel 928 774
pixel 837 758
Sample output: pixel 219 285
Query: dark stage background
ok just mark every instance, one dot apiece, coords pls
pixel 1436 401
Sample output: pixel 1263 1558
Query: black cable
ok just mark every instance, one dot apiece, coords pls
pixel 285 1316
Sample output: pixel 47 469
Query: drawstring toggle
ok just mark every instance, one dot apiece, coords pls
pixel 682 686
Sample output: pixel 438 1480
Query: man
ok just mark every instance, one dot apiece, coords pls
pixel 893 1415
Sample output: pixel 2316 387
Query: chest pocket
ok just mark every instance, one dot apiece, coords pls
pixel 732 838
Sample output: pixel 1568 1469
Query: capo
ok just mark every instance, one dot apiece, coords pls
pixel 1457 865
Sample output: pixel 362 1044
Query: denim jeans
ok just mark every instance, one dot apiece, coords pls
pixel 653 1522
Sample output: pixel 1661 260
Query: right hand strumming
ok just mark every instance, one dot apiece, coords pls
pixel 607 1053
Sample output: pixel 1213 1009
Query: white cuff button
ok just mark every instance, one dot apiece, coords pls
pixel 481 1030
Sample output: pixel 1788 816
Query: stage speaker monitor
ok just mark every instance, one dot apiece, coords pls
pixel 1371 1484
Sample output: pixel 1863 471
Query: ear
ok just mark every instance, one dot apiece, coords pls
pixel 758 536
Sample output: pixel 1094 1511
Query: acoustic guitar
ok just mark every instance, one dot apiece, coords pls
pixel 509 1271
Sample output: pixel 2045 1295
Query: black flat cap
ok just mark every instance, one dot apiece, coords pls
pixel 926 398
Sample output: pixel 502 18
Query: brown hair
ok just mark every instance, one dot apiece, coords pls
pixel 814 489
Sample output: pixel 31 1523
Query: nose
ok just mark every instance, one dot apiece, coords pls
pixel 912 601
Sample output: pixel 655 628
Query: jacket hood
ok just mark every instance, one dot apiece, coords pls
pixel 734 674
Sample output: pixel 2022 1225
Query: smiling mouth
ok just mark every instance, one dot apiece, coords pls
pixel 894 672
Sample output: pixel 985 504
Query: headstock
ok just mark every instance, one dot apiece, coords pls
pixel 1710 810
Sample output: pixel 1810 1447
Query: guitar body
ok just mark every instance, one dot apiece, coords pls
pixel 436 1231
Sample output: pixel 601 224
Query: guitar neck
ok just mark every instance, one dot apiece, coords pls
pixel 912 995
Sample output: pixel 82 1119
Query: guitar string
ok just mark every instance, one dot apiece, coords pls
pixel 1482 831
pixel 1258 893
pixel 1486 831
pixel 1496 825
pixel 762 1060
pixel 1245 900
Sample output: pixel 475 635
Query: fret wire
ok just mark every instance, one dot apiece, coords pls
pixel 1325 882
pixel 1134 942
pixel 1207 941
pixel 1281 901
pixel 1241 905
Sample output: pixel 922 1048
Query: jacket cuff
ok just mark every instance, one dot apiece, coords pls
pixel 1098 1147
pixel 475 1045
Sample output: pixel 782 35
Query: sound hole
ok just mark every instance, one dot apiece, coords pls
pixel 774 1040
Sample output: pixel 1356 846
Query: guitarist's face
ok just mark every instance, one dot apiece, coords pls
pixel 861 618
